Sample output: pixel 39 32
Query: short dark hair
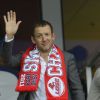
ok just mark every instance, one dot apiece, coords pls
pixel 41 23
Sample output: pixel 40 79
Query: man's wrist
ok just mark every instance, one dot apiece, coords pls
pixel 8 39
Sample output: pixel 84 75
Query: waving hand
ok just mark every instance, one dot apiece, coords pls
pixel 11 26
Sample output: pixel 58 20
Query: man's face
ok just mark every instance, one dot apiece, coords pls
pixel 43 38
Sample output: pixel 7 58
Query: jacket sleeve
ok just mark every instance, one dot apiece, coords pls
pixel 75 86
pixel 10 60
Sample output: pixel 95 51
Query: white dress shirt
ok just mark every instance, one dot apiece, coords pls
pixel 40 94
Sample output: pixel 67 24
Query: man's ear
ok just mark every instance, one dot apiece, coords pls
pixel 32 38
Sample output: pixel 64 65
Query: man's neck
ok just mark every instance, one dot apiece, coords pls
pixel 44 56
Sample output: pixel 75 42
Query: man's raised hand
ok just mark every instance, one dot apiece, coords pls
pixel 11 25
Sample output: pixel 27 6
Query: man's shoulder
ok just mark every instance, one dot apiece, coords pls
pixel 68 55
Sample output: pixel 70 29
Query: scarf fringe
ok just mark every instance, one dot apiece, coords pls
pixel 28 89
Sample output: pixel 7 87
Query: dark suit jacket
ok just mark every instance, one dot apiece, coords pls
pixel 74 83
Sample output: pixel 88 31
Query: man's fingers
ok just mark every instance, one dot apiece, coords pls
pixel 18 23
pixel 11 14
pixel 5 19
pixel 8 16
pixel 14 16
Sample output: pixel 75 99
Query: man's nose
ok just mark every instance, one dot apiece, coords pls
pixel 43 38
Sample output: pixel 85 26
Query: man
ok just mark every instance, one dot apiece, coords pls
pixel 42 73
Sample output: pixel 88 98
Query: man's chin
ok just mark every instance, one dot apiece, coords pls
pixel 45 49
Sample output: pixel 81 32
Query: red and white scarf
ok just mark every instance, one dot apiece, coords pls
pixel 55 75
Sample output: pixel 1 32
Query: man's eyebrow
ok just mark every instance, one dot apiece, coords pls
pixel 38 33
pixel 43 33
